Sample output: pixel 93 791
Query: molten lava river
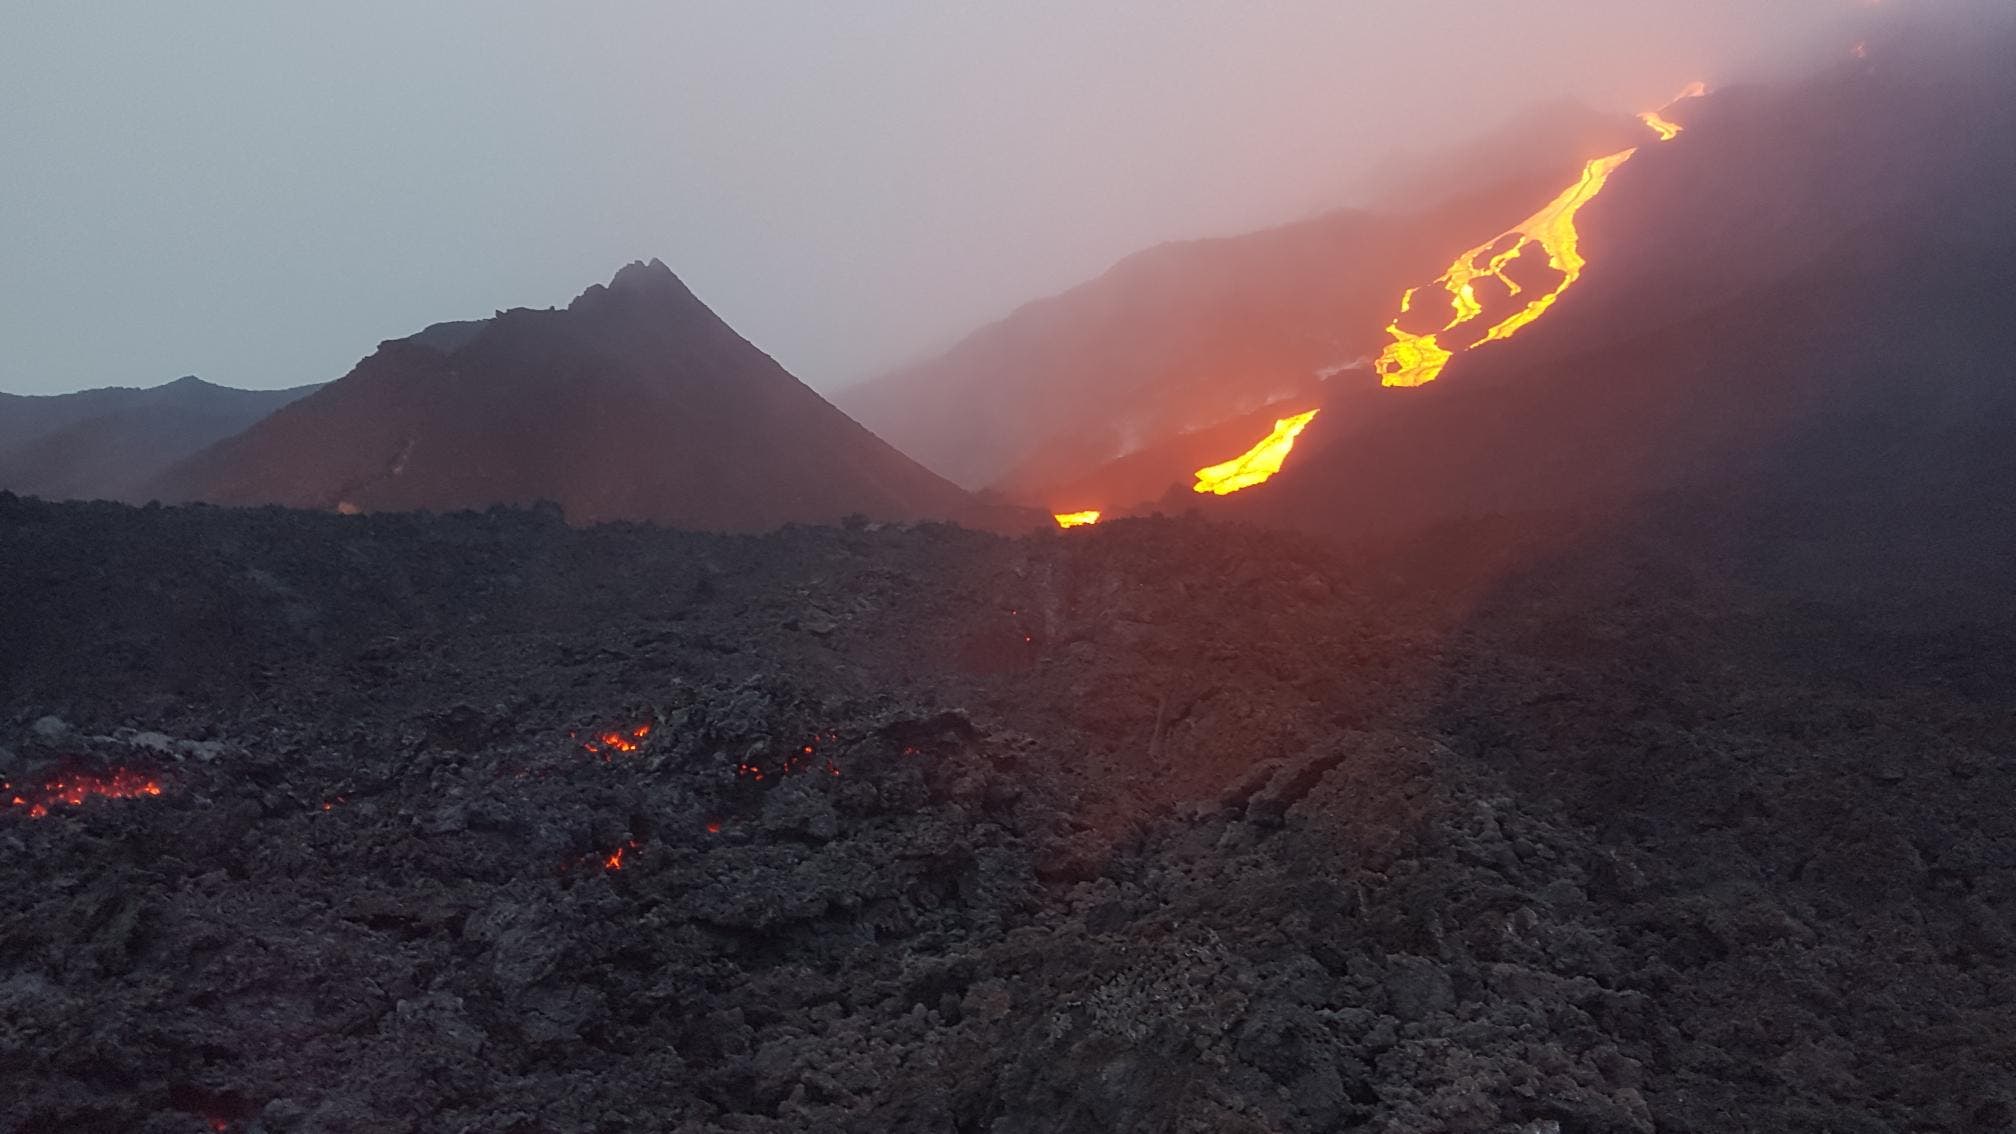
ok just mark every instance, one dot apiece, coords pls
pixel 1417 357
pixel 1255 465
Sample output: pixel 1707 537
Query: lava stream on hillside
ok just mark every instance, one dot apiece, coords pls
pixel 1255 465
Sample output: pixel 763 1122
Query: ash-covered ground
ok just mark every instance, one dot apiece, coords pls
pixel 1695 820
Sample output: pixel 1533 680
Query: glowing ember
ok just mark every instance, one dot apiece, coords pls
pixel 1415 360
pixel 72 789
pixel 1257 464
pixel 804 759
pixel 608 860
pixel 616 741
pixel 1076 519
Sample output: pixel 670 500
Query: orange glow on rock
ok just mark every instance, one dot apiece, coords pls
pixel 802 760
pixel 617 741
pixel 1075 519
pixel 1417 359
pixel 74 788
pixel 1255 465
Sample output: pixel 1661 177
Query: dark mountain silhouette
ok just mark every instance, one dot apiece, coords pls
pixel 111 443
pixel 1187 335
pixel 635 402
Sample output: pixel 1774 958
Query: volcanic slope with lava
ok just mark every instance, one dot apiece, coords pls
pixel 1801 294
pixel 1186 335
pixel 484 822
pixel 1760 264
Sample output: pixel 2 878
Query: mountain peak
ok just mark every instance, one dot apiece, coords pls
pixel 650 281
pixel 639 274
pixel 636 403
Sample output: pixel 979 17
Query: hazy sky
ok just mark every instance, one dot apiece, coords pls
pixel 259 192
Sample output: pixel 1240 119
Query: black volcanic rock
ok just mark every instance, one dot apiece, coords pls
pixel 1161 826
pixel 112 443
pixel 635 402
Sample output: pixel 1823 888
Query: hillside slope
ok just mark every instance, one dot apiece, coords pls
pixel 111 443
pixel 635 402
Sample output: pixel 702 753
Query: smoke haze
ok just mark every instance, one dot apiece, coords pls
pixel 259 193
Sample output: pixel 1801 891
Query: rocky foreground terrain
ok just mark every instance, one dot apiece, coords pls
pixel 1687 819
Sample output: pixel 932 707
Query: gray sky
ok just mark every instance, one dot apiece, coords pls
pixel 259 192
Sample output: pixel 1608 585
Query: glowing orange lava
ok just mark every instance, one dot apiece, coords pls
pixel 1255 465
pixel 72 789
pixel 1665 127
pixel 1075 519
pixel 1417 359
pixel 614 741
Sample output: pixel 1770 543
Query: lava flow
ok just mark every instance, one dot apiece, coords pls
pixel 72 789
pixel 1665 127
pixel 1257 464
pixel 1075 519
pixel 1417 359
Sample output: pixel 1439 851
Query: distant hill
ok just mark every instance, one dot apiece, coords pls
pixel 111 443
pixel 635 402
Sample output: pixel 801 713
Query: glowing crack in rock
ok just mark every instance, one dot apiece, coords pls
pixel 1416 359
pixel 1255 465
pixel 803 759
pixel 1075 519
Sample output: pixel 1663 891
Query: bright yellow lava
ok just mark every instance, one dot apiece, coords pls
pixel 1257 464
pixel 1661 125
pixel 1075 519
pixel 1665 127
pixel 1415 360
